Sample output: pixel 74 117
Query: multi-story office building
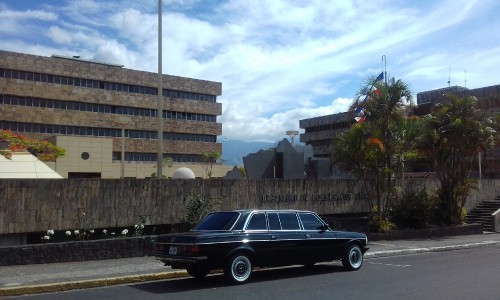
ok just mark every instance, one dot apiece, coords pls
pixel 101 112
pixel 320 131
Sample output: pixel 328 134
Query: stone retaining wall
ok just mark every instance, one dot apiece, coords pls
pixel 76 251
pixel 142 246
pixel 36 205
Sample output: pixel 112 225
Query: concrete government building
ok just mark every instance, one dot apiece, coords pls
pixel 105 115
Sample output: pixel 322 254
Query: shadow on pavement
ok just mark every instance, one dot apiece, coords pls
pixel 219 281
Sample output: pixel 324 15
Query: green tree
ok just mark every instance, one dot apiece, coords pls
pixel 197 206
pixel 208 159
pixel 373 150
pixel 242 171
pixel 166 162
pixel 452 137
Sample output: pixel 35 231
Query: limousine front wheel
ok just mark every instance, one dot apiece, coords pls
pixel 238 268
pixel 353 258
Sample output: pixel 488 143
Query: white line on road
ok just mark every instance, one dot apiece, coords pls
pixel 390 265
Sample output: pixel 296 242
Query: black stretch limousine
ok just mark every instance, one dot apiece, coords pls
pixel 236 241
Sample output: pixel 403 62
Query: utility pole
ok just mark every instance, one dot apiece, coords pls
pixel 159 162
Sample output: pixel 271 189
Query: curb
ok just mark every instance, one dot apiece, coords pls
pixel 85 284
pixel 93 283
pixel 388 253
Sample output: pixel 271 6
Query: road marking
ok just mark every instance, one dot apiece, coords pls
pixel 371 243
pixel 390 265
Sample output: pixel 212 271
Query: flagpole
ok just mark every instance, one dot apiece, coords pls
pixel 384 60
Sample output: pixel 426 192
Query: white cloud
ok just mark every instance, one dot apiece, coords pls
pixel 279 60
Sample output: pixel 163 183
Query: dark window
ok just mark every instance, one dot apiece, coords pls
pixel 274 221
pixel 310 222
pixel 257 222
pixel 218 221
pixel 289 221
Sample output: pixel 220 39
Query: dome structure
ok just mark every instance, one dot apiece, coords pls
pixel 183 173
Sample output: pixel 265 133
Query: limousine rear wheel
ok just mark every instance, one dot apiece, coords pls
pixel 198 272
pixel 353 258
pixel 238 268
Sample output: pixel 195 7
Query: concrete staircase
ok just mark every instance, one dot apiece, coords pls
pixel 482 213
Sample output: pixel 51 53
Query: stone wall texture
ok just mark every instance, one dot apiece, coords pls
pixel 76 251
pixel 34 205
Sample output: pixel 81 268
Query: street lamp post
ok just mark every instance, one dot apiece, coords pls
pixel 159 163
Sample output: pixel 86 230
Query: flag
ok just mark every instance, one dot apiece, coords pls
pixel 380 76
pixel 360 120
pixel 359 110
pixel 375 91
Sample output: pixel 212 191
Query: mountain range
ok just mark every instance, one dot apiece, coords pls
pixel 233 151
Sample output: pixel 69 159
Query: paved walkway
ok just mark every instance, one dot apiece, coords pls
pixel 31 279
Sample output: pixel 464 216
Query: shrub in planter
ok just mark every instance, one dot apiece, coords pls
pixel 415 209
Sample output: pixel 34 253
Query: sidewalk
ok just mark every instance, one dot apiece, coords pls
pixel 32 279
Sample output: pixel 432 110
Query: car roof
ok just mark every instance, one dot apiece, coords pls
pixel 265 210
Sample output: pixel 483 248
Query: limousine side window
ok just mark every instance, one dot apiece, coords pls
pixel 257 222
pixel 274 221
pixel 289 221
pixel 310 222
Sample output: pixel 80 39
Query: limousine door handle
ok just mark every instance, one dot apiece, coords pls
pixel 274 237
pixel 308 235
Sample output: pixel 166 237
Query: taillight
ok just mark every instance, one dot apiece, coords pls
pixel 159 247
pixel 190 249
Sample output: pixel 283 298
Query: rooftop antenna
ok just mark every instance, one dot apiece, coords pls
pixel 449 76
pixel 292 134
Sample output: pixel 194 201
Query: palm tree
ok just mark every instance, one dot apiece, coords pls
pixel 452 137
pixel 208 159
pixel 373 150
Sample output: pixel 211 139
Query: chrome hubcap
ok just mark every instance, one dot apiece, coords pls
pixel 355 257
pixel 241 268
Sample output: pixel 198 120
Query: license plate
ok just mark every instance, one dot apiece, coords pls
pixel 172 250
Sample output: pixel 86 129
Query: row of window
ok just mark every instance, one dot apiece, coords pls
pixel 103 132
pixel 151 157
pixel 98 84
pixel 330 126
pixel 102 108
pixel 284 221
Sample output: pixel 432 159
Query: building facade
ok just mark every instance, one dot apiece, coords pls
pixel 105 115
pixel 320 131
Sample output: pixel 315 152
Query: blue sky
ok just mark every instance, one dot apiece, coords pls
pixel 279 61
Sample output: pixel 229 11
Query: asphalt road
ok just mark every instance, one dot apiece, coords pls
pixel 464 274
